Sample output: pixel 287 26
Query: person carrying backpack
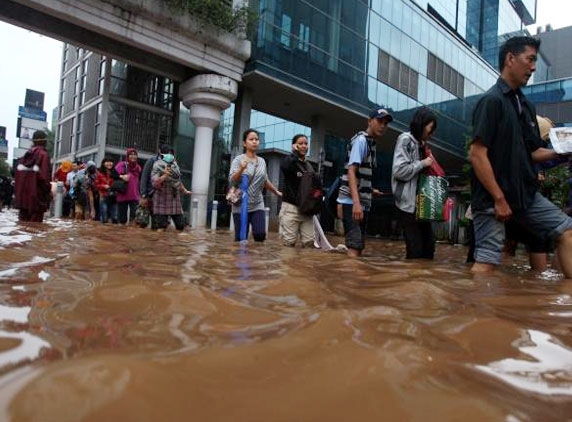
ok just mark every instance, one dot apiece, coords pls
pixel 83 193
pixel 356 188
pixel 302 195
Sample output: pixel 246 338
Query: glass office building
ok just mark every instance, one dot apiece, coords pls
pixel 356 54
pixel 552 99
pixel 332 61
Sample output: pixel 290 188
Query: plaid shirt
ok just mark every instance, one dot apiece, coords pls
pixel 167 197
pixel 167 201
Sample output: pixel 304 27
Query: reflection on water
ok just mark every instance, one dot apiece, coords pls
pixel 127 324
pixel 545 368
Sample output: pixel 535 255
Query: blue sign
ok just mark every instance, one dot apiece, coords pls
pixel 30 113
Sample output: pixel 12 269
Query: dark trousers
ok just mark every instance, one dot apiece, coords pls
pixel 419 237
pixel 354 231
pixel 123 208
pixel 161 221
pixel 31 216
pixel 257 220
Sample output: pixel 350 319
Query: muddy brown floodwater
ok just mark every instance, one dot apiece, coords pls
pixel 104 323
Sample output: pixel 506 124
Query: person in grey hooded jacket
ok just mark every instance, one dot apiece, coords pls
pixel 409 161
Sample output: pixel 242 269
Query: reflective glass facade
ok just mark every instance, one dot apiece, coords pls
pixel 274 132
pixel 552 99
pixel 490 23
pixel 359 54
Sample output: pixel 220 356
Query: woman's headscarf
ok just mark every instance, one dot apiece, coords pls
pixel 130 151
pixel 66 166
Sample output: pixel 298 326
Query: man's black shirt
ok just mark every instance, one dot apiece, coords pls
pixel 505 122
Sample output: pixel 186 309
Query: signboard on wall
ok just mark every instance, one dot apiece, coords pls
pixel 34 100
pixel 31 113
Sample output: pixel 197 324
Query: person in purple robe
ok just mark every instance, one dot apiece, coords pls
pixel 32 181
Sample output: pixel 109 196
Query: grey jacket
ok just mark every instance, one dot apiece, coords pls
pixel 405 171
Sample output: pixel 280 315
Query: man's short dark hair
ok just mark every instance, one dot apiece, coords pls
pixel 422 118
pixel 516 45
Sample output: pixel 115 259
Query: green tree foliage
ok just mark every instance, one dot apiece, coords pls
pixel 555 185
pixel 4 168
pixel 51 137
pixel 217 13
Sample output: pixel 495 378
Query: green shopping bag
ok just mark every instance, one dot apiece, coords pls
pixel 431 198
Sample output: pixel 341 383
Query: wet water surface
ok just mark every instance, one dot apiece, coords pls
pixel 105 323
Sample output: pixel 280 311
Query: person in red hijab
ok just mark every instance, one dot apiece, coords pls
pixel 32 181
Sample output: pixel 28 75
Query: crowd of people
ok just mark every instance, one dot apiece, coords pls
pixel 113 193
pixel 506 153
pixel 506 149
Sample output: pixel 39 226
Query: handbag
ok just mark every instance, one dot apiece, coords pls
pixel 431 198
pixel 142 215
pixel 234 195
pixel 120 185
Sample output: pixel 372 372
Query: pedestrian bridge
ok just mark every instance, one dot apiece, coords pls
pixel 146 34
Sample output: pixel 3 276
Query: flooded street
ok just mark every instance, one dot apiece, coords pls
pixel 105 323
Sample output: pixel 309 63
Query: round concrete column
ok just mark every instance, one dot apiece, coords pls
pixel 205 96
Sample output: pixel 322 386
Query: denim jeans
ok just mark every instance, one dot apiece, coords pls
pixel 542 218
pixel 256 219
pixel 107 210
pixel 354 231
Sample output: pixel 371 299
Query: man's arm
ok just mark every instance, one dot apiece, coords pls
pixel 541 155
pixel 484 172
pixel 145 177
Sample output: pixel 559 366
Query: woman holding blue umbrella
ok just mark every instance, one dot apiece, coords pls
pixel 248 171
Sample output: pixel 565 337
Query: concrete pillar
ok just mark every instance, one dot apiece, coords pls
pixel 205 96
pixel 318 137
pixel 242 112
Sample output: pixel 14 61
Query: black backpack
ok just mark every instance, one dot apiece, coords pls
pixel 331 197
pixel 310 197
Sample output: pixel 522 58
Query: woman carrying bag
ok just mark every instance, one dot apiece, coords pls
pixel 129 172
pixel 254 169
pixel 412 157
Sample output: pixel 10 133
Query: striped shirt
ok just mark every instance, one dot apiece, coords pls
pixel 257 178
pixel 361 152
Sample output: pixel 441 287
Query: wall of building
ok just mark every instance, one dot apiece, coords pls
pixel 556 48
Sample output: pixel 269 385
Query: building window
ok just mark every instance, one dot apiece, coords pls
pixel 72 134
pixel 83 82
pixel 101 83
pixel 79 128
pixel 66 56
pixel 286 28
pixel 304 38
pixel 445 76
pixel 62 99
pixel 397 74
pixel 97 122
pixel 76 87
